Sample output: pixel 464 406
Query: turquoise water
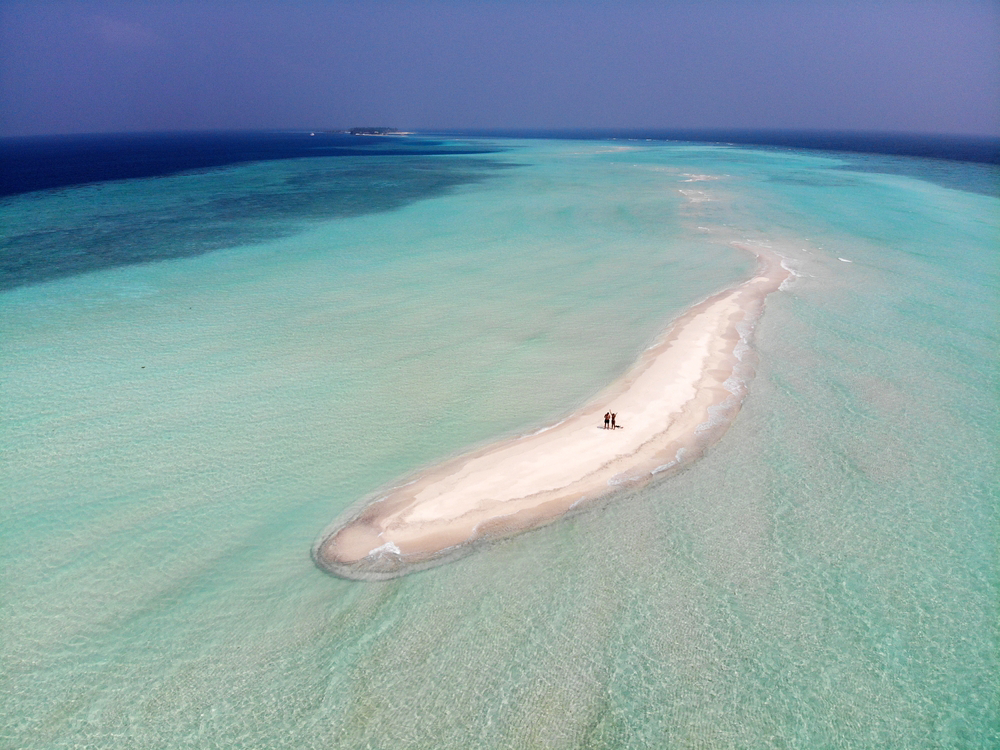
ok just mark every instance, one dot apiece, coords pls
pixel 177 434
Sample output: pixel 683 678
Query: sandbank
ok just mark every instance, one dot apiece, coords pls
pixel 678 398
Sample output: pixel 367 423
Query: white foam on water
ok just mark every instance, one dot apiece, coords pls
pixel 388 548
pixel 794 276
pixel 678 457
pixel 626 477
pixel 719 414
pixel 545 429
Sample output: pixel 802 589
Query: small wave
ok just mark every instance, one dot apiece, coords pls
pixel 678 457
pixel 793 276
pixel 719 414
pixel 845 260
pixel 386 549
pixel 540 430
pixel 735 385
pixel 625 477
pixel 695 196
pixel 745 329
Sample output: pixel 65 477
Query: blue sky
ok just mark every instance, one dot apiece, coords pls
pixel 903 65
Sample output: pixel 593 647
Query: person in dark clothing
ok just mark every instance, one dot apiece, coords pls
pixel 607 419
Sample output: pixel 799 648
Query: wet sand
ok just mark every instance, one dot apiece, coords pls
pixel 679 398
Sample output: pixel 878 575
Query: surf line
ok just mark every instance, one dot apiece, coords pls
pixel 675 401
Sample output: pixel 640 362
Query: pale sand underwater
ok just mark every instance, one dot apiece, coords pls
pixel 677 399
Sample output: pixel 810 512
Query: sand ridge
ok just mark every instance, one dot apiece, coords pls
pixel 678 398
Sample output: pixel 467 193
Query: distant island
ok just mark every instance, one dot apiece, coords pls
pixel 366 131
pixel 376 131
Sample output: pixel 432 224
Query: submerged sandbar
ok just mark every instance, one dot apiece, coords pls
pixel 677 399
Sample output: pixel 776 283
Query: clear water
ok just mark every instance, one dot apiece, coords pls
pixel 176 434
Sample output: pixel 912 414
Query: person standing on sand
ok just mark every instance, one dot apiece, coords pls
pixel 607 418
pixel 613 417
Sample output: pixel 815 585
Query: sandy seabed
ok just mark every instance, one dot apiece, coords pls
pixel 678 398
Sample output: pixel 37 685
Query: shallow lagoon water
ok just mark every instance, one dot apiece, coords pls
pixel 176 434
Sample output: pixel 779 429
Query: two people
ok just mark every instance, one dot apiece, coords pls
pixel 609 418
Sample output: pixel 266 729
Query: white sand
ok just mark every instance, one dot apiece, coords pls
pixel 680 396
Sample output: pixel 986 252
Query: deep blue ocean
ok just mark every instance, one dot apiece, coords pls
pixel 44 162
pixel 213 345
